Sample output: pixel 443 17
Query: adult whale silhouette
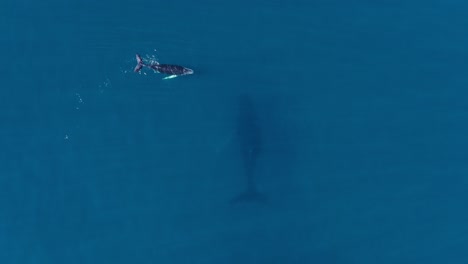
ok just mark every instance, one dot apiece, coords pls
pixel 250 142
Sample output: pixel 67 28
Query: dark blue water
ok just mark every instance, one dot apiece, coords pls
pixel 359 138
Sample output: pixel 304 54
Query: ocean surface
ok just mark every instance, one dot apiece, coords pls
pixel 350 119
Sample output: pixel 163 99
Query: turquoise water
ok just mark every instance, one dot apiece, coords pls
pixel 360 142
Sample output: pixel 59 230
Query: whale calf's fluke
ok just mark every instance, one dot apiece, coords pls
pixel 139 65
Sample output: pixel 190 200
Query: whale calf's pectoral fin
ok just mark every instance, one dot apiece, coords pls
pixel 169 77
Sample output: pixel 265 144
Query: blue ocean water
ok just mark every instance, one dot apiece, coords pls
pixel 358 144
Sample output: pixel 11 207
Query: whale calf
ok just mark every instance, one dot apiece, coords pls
pixel 169 69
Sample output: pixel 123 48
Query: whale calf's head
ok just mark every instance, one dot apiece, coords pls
pixel 188 71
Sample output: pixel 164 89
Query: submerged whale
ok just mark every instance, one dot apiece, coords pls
pixel 250 143
pixel 169 69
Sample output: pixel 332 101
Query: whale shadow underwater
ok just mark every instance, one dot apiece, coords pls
pixel 249 137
